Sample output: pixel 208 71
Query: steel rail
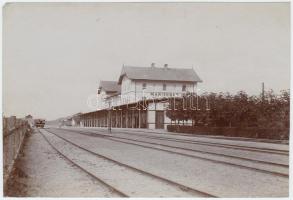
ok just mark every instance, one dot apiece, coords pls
pixel 84 170
pixel 213 144
pixel 262 140
pixel 199 151
pixel 182 154
pixel 178 185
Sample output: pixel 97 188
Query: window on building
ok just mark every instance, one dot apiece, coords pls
pixel 164 87
pixel 144 85
pixel 183 87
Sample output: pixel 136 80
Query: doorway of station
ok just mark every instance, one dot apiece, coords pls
pixel 159 119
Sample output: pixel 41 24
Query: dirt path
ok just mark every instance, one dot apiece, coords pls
pixel 41 172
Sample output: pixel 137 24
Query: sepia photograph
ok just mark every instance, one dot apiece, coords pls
pixel 146 99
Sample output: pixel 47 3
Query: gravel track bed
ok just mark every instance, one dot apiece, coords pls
pixel 220 180
pixel 132 183
pixel 261 156
pixel 162 133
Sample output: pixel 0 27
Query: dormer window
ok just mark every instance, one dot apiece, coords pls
pixel 144 85
pixel 164 87
pixel 183 88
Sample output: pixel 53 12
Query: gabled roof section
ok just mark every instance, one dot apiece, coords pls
pixel 110 86
pixel 159 74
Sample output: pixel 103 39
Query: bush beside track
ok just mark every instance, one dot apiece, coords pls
pixel 249 132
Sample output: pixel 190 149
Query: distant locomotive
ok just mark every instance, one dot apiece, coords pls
pixel 39 123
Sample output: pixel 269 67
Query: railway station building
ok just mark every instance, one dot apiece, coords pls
pixel 137 99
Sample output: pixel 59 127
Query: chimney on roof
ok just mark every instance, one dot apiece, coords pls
pixel 153 65
pixel 165 66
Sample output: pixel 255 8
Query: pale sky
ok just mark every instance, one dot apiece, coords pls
pixel 54 55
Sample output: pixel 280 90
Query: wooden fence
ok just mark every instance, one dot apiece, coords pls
pixel 14 131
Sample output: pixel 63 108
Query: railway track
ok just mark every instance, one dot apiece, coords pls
pixel 229 146
pixel 118 139
pixel 113 189
pixel 200 151
pixel 179 186
pixel 283 142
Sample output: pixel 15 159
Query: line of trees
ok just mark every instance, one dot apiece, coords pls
pixel 226 110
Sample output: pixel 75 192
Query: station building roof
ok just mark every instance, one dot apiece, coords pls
pixel 110 86
pixel 159 74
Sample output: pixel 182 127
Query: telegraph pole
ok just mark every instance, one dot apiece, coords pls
pixel 109 117
pixel 262 96
pixel 263 92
